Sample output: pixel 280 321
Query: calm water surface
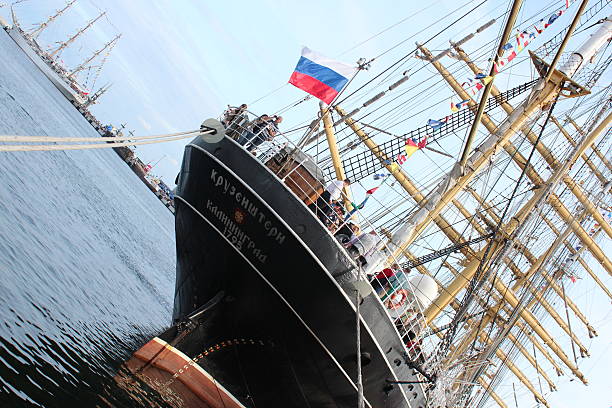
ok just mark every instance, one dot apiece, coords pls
pixel 86 254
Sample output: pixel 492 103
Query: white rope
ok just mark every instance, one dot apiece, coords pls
pixel 32 148
pixel 360 397
pixel 45 139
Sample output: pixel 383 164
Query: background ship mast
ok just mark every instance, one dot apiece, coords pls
pixel 63 45
pixel 108 46
pixel 94 98
pixel 36 32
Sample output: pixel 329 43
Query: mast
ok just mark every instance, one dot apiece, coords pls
pixel 458 178
pixel 431 207
pixel 544 151
pixel 83 65
pixel 335 156
pixel 588 50
pixel 74 37
pixel 36 32
pixel 14 17
pixel 595 149
pixel 94 98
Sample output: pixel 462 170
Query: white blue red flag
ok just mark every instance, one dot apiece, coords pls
pixel 320 76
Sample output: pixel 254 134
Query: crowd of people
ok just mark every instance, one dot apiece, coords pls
pixel 391 283
pixel 250 134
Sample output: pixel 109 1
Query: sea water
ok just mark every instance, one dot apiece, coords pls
pixel 87 254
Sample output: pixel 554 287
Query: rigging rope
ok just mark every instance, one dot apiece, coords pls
pixel 366 163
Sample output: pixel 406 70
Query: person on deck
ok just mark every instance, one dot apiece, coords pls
pixel 258 126
pixel 264 131
pixel 381 280
pixel 234 120
pixel 232 113
pixel 345 233
pixel 322 207
pixel 362 247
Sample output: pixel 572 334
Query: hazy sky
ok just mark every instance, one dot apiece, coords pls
pixel 180 62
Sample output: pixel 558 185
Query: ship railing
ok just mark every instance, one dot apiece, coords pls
pixel 396 288
pixel 281 156
pixel 404 293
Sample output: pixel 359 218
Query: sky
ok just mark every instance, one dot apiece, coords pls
pixel 180 62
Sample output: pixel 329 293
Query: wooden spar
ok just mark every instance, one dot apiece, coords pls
pixel 480 380
pixel 519 324
pixel 509 296
pixel 501 356
pixel 493 395
pixel 601 156
pixel 514 11
pixel 478 328
pixel 400 176
pixel 484 339
pixel 461 281
pixel 454 304
pixel 540 265
pixel 516 371
pixel 584 157
pixel 335 156
pixel 522 327
pixel 511 337
pixel 550 281
pixel 532 260
pixel 537 296
pixel 472 220
pixel 582 262
pixel 544 97
pixel 455 181
pixel 544 151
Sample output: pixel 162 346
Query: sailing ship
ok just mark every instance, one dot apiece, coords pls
pixel 273 309
pixel 65 80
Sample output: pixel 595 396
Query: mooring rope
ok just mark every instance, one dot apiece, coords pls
pixel 44 139
pixel 31 148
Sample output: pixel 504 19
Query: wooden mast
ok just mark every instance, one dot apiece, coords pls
pixel 517 157
pixel 433 205
pixel 543 150
pixel 333 151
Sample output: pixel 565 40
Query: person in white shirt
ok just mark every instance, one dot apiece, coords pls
pixel 335 188
pixel 322 207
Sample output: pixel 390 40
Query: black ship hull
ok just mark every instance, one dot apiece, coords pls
pixel 258 303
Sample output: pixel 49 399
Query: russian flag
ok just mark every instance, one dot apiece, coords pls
pixel 320 76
